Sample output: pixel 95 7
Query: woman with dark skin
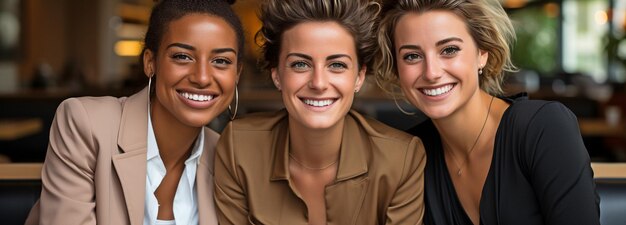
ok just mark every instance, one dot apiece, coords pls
pixel 491 160
pixel 147 158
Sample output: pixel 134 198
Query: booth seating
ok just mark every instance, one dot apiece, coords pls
pixel 611 186
pixel 20 186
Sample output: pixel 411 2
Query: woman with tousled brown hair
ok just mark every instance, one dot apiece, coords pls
pixel 148 158
pixel 317 161
pixel 491 159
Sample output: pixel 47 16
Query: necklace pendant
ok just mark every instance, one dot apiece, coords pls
pixel 458 173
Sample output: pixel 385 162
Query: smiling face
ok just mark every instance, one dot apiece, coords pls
pixel 437 61
pixel 318 73
pixel 196 70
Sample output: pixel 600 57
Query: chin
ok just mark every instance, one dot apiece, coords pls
pixel 200 120
pixel 437 113
pixel 319 123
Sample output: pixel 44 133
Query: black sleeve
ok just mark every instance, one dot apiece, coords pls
pixel 559 167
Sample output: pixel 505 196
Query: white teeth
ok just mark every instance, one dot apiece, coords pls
pixel 318 103
pixel 438 91
pixel 197 97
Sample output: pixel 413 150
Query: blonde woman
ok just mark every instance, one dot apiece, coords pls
pixel 491 159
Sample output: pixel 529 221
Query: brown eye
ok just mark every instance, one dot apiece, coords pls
pixel 181 57
pixel 221 61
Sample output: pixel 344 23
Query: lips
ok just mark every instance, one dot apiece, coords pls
pixel 196 97
pixel 436 91
pixel 318 102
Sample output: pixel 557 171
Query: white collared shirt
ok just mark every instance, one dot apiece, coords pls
pixel 185 200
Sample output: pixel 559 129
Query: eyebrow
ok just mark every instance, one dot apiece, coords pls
pixel 223 50
pixel 410 47
pixel 181 45
pixel 439 43
pixel 444 41
pixel 336 56
pixel 308 57
pixel 191 48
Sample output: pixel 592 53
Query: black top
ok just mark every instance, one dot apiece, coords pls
pixel 540 172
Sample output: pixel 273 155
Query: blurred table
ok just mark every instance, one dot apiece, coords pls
pixel 20 171
pixel 600 128
pixel 609 170
pixel 11 129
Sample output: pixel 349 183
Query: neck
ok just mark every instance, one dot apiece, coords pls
pixel 174 139
pixel 315 147
pixel 459 134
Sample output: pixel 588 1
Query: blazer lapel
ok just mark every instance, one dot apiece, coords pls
pixel 130 165
pixel 204 180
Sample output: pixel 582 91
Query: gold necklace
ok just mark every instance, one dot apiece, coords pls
pixel 460 165
pixel 311 168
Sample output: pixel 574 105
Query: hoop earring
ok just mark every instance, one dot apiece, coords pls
pixel 234 114
pixel 149 90
pixel 400 108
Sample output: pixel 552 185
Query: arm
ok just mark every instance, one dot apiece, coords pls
pixel 68 193
pixel 230 197
pixel 407 204
pixel 560 169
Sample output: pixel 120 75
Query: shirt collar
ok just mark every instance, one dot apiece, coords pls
pixel 352 156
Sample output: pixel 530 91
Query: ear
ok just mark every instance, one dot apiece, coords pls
pixel 148 63
pixel 275 79
pixel 360 78
pixel 482 57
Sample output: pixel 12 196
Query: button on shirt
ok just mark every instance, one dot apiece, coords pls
pixel 185 200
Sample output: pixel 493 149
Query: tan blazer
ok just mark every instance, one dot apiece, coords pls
pixel 95 167
pixel 379 177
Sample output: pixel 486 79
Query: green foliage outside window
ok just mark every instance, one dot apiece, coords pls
pixel 536 46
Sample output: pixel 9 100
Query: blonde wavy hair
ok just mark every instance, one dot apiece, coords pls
pixel 486 21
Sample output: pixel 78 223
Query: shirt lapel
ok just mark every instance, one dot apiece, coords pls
pixel 348 191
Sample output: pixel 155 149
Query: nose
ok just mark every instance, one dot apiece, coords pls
pixel 319 79
pixel 202 74
pixel 433 70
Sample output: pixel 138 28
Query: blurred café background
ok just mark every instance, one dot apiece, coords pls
pixel 572 51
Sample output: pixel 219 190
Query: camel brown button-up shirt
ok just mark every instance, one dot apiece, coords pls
pixel 379 177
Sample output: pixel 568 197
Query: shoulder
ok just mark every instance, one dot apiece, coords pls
pixel 545 130
pixel 254 134
pixel 394 154
pixel 540 114
pixel 263 121
pixel 383 135
pixel 98 117
pixel 90 105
